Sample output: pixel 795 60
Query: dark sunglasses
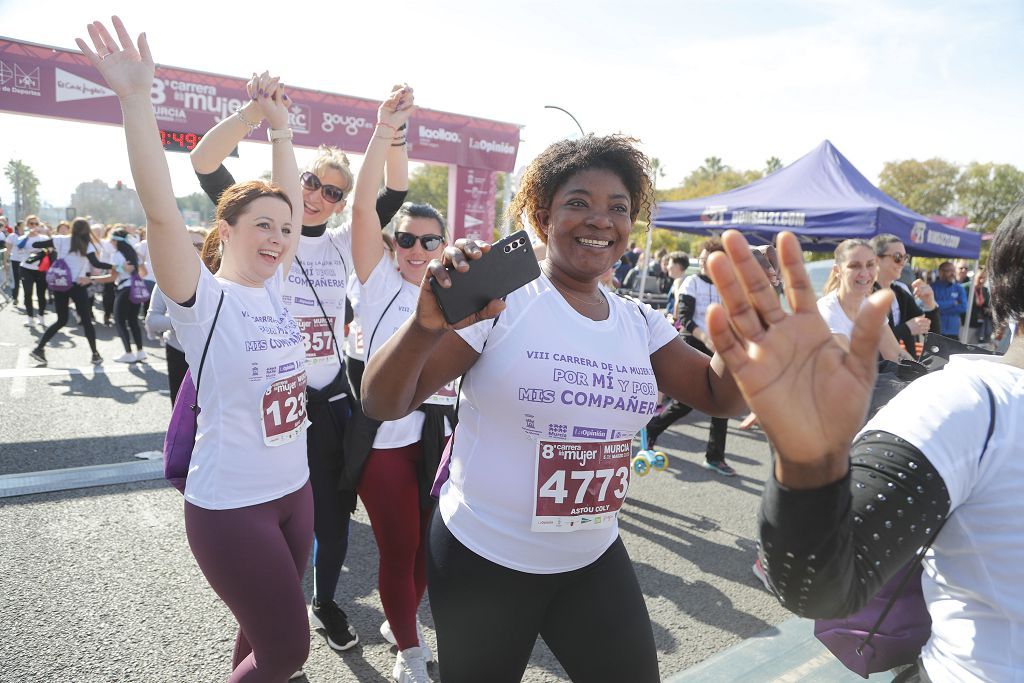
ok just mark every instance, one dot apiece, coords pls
pixel 406 239
pixel 331 193
pixel 898 258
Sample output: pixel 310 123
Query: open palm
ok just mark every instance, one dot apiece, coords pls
pixel 128 70
pixel 810 394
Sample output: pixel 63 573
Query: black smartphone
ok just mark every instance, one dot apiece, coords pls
pixel 509 265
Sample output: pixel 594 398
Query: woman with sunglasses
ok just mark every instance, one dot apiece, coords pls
pixel 315 293
pixel 525 538
pixel 398 470
pixel 906 318
pixel 248 506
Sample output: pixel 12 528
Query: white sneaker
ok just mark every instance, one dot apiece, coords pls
pixel 389 635
pixel 140 356
pixel 126 357
pixel 411 667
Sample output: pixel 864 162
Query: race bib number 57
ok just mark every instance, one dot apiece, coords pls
pixel 283 410
pixel 579 485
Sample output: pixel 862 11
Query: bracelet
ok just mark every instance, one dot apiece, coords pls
pixel 383 137
pixel 403 126
pixel 278 135
pixel 399 144
pixel 241 117
pixel 387 125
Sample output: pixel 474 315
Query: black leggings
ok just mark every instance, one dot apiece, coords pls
pixel 177 366
pixel 126 317
pixel 109 294
pixel 16 276
pixel 488 617
pixel 34 279
pixel 83 304
pixel 332 509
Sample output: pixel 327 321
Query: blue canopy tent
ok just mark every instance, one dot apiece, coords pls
pixel 823 199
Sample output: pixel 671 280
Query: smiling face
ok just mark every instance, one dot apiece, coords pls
pixel 857 271
pixel 587 226
pixel 413 261
pixel 890 264
pixel 316 210
pixel 255 244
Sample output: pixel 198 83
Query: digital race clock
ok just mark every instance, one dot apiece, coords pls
pixel 174 141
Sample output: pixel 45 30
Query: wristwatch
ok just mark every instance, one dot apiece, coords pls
pixel 283 134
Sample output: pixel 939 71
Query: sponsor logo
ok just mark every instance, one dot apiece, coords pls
pixel 616 434
pixel 14 79
pixel 530 425
pixel 352 124
pixel 193 96
pixel 917 232
pixel 287 367
pixel 254 372
pixel 432 136
pixel 714 215
pixel 299 116
pixel 942 239
pixel 537 395
pixel 557 431
pixel 589 433
pixel 304 302
pixel 71 87
pixel 492 146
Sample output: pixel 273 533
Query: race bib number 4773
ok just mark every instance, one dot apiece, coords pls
pixel 579 485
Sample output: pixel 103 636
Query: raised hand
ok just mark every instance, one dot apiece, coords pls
pixel 809 394
pixel 271 100
pixel 398 107
pixel 428 313
pixel 128 70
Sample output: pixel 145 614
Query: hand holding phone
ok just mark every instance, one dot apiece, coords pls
pixel 474 281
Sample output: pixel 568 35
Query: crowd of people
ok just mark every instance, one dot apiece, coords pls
pixel 340 380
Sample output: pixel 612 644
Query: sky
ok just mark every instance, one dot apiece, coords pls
pixel 743 80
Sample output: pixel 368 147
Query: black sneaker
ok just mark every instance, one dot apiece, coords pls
pixel 720 467
pixel 96 358
pixel 38 356
pixel 333 621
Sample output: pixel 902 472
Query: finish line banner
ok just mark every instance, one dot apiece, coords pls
pixel 45 81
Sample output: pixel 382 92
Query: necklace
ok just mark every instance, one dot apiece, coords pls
pixel 600 300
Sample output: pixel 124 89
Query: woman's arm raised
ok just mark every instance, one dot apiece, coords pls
pixel 218 142
pixel 284 171
pixel 129 73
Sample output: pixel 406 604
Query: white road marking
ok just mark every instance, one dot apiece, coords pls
pixel 22 371
pixel 20 366
pixel 150 455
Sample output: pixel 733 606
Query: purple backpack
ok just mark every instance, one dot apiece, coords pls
pixel 138 292
pixel 181 430
pixel 58 277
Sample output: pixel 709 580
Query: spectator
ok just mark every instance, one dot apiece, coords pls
pixel 980 331
pixel 951 300
pixel 678 262
pixel 906 318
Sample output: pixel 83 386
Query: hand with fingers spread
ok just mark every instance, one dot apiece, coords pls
pixel 127 70
pixel 810 395
pixel 458 257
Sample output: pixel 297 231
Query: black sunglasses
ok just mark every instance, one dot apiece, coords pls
pixel 331 193
pixel 406 239
pixel 898 258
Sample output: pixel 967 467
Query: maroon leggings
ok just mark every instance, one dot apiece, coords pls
pixel 390 491
pixel 254 558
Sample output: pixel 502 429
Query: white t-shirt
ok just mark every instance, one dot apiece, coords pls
pixel 327 260
pixel 29 248
pixel 974 572
pixel 253 383
pixel 142 249
pixel 14 253
pixel 541 360
pixel 124 278
pixel 355 341
pixel 383 303
pixel 704 294
pixel 834 315
pixel 78 264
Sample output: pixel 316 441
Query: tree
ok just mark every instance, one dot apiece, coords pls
pixel 26 187
pixel 987 192
pixel 772 165
pixel 197 201
pixel 928 187
pixel 429 185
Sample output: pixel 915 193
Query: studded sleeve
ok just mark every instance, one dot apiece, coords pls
pixel 828 550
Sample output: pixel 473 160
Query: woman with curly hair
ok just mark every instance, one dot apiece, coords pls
pixel 525 541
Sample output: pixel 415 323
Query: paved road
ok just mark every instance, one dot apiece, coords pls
pixel 98 584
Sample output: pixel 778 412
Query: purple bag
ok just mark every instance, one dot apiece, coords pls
pixel 138 292
pixel 442 468
pixel 181 430
pixel 58 277
pixel 181 434
pixel 900 630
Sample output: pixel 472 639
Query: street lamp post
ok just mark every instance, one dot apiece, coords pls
pixel 569 114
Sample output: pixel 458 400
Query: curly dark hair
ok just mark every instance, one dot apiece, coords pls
pixel 1006 267
pixel 564 159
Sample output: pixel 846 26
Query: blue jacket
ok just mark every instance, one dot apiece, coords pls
pixel 952 303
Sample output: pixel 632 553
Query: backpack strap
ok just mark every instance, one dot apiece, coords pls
pixel 202 361
pixel 327 318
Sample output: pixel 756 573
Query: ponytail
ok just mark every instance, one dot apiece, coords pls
pixel 211 252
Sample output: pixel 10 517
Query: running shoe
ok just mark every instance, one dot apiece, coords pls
pixel 333 621
pixel 38 356
pixel 721 467
pixel 31 321
pixel 126 357
pixel 389 635
pixel 96 358
pixel 298 674
pixel 140 356
pixel 410 667
pixel 760 574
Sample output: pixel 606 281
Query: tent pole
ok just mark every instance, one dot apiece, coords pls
pixel 965 329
